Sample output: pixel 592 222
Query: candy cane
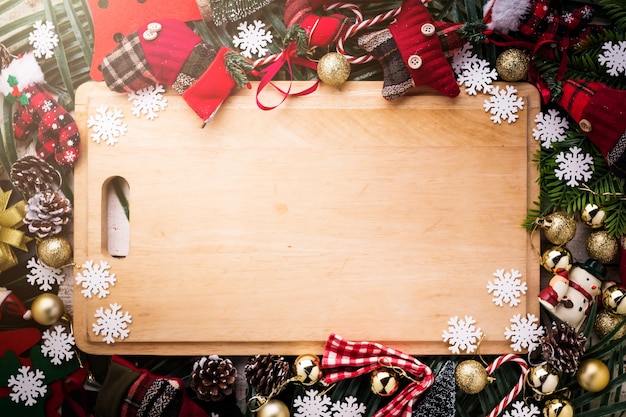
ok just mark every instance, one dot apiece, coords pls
pixel 508 399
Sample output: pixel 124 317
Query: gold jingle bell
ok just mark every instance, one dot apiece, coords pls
pixel 606 322
pixel 47 309
pixel 471 377
pixel 556 259
pixel 273 408
pixel 614 300
pixel 542 380
pixel 307 368
pixel 593 375
pixel 54 251
pixel 601 246
pixel 558 408
pixel 593 216
pixel 559 227
pixel 384 382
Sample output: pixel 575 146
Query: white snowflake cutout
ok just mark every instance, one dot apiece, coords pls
pixel 43 39
pixel 252 39
pixel 613 57
pixel 349 408
pixel 519 409
pixel 95 279
pixel 463 56
pixel 106 125
pixel 148 101
pixel 476 75
pixel 551 128
pixel 26 386
pixel 58 345
pixel 524 332
pixel 42 275
pixel 112 323
pixel 311 405
pixel 574 166
pixel 503 104
pixel 462 335
pixel 507 287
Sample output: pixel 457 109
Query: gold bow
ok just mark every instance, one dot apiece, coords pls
pixel 10 219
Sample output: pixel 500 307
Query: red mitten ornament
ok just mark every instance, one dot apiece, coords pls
pixel 601 115
pixel 22 83
pixel 168 52
pixel 414 51
pixel 538 21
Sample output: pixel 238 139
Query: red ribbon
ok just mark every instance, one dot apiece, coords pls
pixel 343 359
pixel 289 57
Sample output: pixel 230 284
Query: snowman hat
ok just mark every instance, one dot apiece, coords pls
pixel 594 267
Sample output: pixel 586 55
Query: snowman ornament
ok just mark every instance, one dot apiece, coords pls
pixel 569 298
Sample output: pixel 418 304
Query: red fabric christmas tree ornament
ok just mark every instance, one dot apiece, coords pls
pixel 601 115
pixel 168 52
pixel 22 82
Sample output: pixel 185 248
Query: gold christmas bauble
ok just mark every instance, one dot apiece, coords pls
pixel 559 227
pixel 606 322
pixel 542 380
pixel 471 377
pixel 54 252
pixel 558 408
pixel 593 375
pixel 47 309
pixel 273 408
pixel 593 216
pixel 614 299
pixel 333 69
pixel 384 382
pixel 512 65
pixel 308 369
pixel 556 259
pixel 601 246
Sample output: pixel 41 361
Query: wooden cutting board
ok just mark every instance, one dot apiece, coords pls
pixel 338 211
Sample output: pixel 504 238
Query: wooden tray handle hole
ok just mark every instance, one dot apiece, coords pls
pixel 117 216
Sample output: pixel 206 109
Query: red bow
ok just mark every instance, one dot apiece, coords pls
pixel 343 359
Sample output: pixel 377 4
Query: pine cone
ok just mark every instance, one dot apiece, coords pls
pixel 31 175
pixel 47 212
pixel 266 373
pixel 562 347
pixel 213 378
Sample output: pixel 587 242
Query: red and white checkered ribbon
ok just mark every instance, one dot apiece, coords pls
pixel 343 359
pixel 508 399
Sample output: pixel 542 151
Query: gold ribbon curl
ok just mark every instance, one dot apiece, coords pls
pixel 10 219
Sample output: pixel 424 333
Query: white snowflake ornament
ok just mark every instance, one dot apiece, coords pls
pixel 503 104
pixel 45 277
pixel 348 408
pixel 253 39
pixel 44 39
pixel 463 56
pixel 524 332
pixel 574 166
pixel 27 386
pixel 311 405
pixel 506 288
pixel 111 323
pixel 148 101
pixel 551 128
pixel 477 75
pixel 520 409
pixel 58 345
pixel 95 279
pixel 613 57
pixel 106 125
pixel 462 335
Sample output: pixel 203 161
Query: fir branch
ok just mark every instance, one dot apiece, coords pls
pixel 616 11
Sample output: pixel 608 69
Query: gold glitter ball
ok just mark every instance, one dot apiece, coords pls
pixel 54 252
pixel 512 65
pixel 333 69
pixel 471 377
pixel 558 227
pixel 601 246
pixel 606 322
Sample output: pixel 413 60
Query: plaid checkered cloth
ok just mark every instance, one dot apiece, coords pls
pixel 343 359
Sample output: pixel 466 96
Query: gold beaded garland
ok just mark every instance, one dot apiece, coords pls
pixel 47 309
pixel 601 246
pixel 333 69
pixel 512 65
pixel 606 322
pixel 54 251
pixel 559 227
pixel 273 408
pixel 471 377
pixel 558 408
pixel 593 375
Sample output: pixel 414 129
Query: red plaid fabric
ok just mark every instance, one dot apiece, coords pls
pixel 344 359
